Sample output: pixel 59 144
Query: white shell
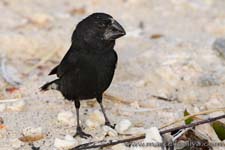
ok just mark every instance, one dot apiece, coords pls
pixel 152 135
pixel 123 125
pixel 66 143
pixel 111 132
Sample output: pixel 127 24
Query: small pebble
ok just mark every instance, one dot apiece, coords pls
pixel 69 138
pixel 66 143
pixel 100 135
pixel 123 125
pixel 109 131
pixel 152 135
pixel 67 118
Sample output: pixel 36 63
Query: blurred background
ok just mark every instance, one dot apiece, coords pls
pixel 168 52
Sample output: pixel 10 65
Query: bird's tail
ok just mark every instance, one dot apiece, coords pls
pixel 54 85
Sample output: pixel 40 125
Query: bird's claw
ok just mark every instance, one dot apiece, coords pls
pixel 107 123
pixel 82 134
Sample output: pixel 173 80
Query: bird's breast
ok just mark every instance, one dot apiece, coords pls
pixel 105 71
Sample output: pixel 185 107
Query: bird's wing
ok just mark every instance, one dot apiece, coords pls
pixel 54 70
pixel 68 63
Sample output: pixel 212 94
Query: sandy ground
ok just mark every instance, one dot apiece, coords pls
pixel 167 52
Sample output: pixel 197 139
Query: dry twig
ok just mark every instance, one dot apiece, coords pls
pixel 124 101
pixel 104 143
pixel 192 115
pixel 163 98
pixel 9 100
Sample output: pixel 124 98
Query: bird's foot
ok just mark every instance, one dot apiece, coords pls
pixel 107 123
pixel 81 133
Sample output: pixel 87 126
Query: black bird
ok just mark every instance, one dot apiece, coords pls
pixel 87 69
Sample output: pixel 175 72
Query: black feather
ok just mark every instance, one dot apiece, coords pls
pixel 50 85
pixel 53 71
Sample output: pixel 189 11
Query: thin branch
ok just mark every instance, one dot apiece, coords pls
pixel 193 124
pixel 162 98
pixel 9 100
pixel 100 144
pixel 124 101
pixel 193 115
pixel 117 99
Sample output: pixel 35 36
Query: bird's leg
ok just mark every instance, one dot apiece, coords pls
pixel 79 129
pixel 107 122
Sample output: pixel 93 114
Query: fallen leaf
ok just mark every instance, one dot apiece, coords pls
pixel 219 128
pixel 156 36
pixel 30 139
pixel 189 120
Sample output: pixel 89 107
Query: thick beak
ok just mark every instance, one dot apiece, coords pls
pixel 114 31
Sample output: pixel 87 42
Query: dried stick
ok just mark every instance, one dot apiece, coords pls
pixel 193 124
pixel 100 144
pixel 162 98
pixel 193 115
pixel 124 101
pixel 118 99
pixel 9 100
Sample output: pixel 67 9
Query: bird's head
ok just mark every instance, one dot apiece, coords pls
pixel 98 30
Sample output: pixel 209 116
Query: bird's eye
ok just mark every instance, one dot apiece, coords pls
pixel 102 25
